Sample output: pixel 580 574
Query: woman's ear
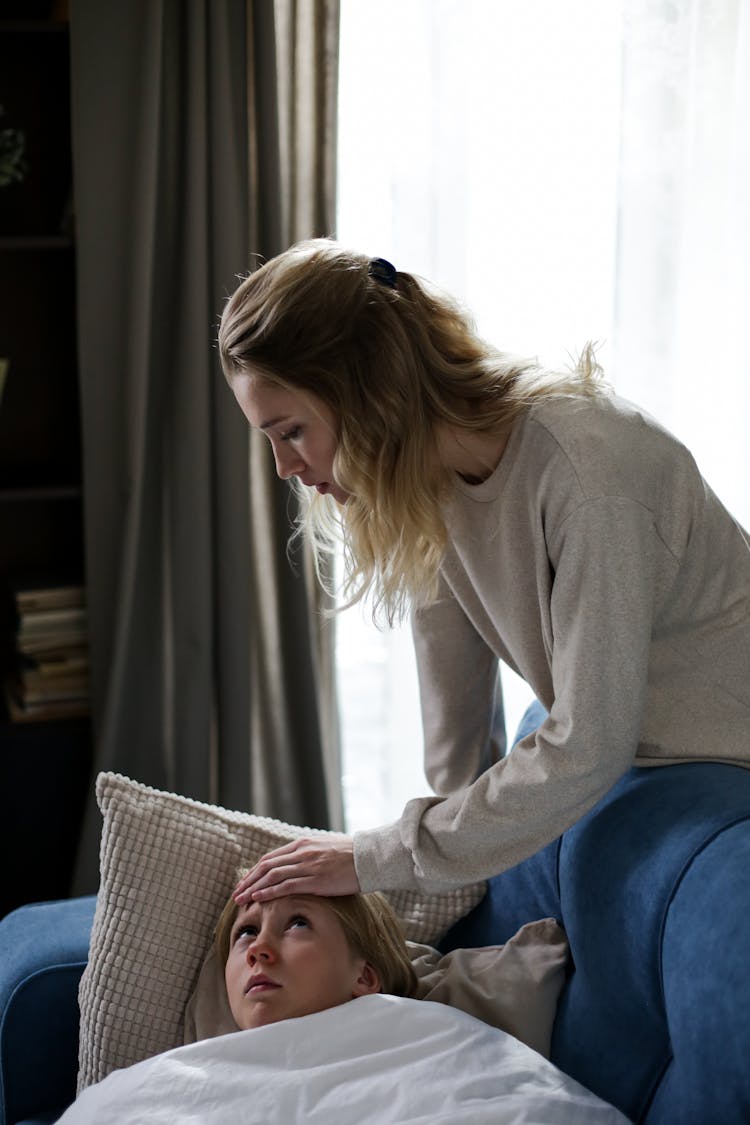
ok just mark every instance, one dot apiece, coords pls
pixel 367 981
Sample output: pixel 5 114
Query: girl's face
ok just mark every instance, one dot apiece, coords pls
pixel 299 427
pixel 289 958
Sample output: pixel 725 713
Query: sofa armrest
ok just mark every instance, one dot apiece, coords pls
pixel 43 951
pixel 651 887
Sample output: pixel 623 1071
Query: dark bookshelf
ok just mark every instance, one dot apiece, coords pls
pixel 44 763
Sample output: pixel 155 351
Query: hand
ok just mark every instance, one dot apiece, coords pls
pixel 308 866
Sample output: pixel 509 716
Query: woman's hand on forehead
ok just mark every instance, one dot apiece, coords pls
pixel 302 867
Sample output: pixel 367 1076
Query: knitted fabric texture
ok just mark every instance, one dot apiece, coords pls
pixel 167 867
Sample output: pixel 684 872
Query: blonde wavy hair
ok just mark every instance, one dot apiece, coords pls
pixel 396 361
pixel 371 928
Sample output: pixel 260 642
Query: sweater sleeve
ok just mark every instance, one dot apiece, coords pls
pixel 460 693
pixel 607 560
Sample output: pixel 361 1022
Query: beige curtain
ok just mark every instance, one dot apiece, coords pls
pixel 203 130
pixel 292 92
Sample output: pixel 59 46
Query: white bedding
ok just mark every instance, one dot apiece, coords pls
pixel 379 1059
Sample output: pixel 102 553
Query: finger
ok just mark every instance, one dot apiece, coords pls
pixel 269 873
pixel 280 874
pixel 278 854
pixel 327 882
pixel 302 844
pixel 287 848
pixel 300 885
pixel 326 868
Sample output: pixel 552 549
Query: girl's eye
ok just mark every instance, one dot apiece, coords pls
pixel 247 931
pixel 292 435
pixel 297 921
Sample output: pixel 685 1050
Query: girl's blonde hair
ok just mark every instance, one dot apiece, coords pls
pixel 370 926
pixel 395 361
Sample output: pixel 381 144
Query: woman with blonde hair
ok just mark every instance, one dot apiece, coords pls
pixel 517 514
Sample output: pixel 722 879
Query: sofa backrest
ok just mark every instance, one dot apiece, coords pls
pixel 652 888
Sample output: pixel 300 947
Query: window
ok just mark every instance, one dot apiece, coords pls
pixel 544 162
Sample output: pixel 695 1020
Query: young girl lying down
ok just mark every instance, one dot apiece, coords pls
pixel 322 992
pixel 304 954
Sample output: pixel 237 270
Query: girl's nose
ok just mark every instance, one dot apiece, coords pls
pixel 260 950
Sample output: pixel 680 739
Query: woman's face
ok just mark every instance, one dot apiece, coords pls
pixel 289 958
pixel 299 427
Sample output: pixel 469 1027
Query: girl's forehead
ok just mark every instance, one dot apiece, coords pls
pixel 310 904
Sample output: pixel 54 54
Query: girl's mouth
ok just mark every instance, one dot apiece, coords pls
pixel 260 984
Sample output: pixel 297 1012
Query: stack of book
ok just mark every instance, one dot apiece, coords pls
pixel 51 675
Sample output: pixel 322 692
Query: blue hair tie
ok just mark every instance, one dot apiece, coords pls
pixel 383 272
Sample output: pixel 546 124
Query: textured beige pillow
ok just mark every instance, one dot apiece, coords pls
pixel 167 867
pixel 514 986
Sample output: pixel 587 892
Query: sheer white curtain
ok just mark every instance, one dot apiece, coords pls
pixel 572 170
pixel 682 286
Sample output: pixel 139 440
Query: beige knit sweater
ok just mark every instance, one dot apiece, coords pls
pixel 599 565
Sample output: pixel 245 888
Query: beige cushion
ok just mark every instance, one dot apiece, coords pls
pixel 167 868
pixel 514 986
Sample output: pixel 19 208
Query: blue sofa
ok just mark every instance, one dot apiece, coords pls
pixel 653 888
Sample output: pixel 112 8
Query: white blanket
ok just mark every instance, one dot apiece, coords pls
pixel 378 1060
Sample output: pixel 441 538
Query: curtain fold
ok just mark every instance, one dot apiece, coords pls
pixel 195 688
pixel 292 98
